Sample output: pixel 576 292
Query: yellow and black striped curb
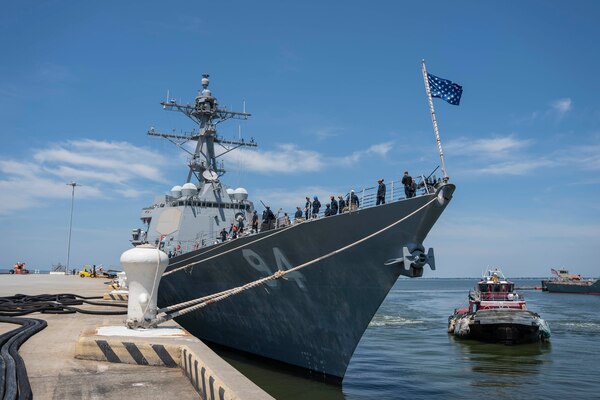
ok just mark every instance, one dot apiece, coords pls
pixel 226 384
pixel 211 376
pixel 202 378
pixel 128 351
pixel 116 296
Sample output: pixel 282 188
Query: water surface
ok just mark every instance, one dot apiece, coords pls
pixel 407 354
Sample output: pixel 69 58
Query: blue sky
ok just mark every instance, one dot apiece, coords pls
pixel 337 100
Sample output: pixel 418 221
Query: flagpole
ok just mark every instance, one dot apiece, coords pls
pixel 435 127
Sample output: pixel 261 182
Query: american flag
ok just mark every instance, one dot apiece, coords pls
pixel 444 89
pixel 553 271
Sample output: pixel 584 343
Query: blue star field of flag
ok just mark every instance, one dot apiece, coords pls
pixel 444 89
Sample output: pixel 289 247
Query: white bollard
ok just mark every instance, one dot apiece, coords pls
pixel 122 280
pixel 144 266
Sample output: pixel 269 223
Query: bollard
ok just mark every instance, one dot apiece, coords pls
pixel 144 266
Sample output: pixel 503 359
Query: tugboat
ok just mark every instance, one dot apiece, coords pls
pixel 496 313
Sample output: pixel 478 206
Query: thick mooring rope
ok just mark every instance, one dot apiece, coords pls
pixel 196 304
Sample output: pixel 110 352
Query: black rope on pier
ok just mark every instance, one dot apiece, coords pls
pixel 63 303
pixel 14 383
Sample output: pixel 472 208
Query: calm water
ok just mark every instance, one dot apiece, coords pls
pixel 407 354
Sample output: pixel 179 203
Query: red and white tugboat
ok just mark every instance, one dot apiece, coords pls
pixel 496 313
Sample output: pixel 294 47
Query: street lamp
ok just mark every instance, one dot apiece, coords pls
pixel 72 184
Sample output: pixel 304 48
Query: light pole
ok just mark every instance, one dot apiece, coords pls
pixel 72 184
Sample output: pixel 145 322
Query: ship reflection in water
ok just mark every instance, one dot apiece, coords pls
pixel 499 365
pixel 278 379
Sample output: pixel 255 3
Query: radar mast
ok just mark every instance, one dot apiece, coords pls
pixel 207 114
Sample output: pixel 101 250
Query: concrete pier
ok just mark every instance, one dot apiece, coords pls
pixel 55 373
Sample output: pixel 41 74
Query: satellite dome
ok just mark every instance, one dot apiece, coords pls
pixel 189 189
pixel 176 191
pixel 230 192
pixel 240 194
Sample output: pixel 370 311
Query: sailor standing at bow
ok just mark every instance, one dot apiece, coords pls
pixel 334 205
pixel 380 192
pixel 254 222
pixel 316 205
pixel 307 208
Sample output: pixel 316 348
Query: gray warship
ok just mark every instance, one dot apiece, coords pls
pixel 314 317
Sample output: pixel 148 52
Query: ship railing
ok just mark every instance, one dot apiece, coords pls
pixel 506 296
pixel 367 197
pixel 179 247
pixel 394 191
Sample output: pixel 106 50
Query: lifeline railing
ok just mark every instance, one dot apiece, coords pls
pixel 367 197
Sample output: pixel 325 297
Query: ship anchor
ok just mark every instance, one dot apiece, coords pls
pixel 412 262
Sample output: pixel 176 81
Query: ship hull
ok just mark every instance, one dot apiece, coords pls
pixel 582 287
pixel 313 318
pixel 507 326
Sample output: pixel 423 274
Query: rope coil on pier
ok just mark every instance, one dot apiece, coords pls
pixel 14 382
pixel 180 309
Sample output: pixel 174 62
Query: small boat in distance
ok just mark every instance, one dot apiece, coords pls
pixel 496 313
pixel 564 282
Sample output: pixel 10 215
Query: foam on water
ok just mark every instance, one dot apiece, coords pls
pixel 392 320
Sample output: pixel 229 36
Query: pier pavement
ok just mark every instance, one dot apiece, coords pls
pixel 55 373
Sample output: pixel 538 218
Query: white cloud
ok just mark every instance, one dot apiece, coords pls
pixel 380 149
pixel 291 159
pixel 286 158
pixel 516 167
pixel 325 133
pixel 585 157
pixel 562 106
pixel 518 245
pixel 509 156
pixel 496 147
pixel 103 168
pixel 117 162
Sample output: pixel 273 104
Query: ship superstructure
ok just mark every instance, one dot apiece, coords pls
pixel 192 214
